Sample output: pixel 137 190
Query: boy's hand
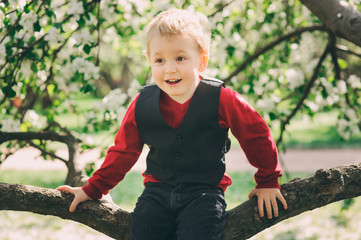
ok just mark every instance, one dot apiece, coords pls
pixel 79 195
pixel 268 196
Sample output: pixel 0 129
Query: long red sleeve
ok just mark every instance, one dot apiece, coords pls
pixel 253 135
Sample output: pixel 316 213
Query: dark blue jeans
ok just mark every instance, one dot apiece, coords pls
pixel 185 212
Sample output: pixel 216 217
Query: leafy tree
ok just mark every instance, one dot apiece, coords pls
pixel 283 58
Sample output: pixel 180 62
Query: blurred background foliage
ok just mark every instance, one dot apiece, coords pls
pixel 71 67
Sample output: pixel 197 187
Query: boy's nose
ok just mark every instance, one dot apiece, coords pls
pixel 170 67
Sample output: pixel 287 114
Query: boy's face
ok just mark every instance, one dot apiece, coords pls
pixel 176 63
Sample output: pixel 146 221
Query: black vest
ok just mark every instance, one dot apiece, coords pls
pixel 194 152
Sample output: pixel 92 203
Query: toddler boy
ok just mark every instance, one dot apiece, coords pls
pixel 184 118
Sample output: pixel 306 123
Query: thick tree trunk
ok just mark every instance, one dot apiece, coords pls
pixel 322 188
pixel 338 16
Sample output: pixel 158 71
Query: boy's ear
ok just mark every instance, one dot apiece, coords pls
pixel 203 62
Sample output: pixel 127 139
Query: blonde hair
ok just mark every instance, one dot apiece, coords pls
pixel 175 22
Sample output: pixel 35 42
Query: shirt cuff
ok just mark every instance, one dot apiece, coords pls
pixel 273 183
pixel 92 192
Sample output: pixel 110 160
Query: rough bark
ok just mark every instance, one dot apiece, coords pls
pixel 322 188
pixel 339 17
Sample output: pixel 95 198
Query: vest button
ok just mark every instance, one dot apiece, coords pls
pixel 178 138
pixel 178 174
pixel 178 156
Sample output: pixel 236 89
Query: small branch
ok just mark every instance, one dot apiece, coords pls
pixel 306 91
pixel 220 9
pixel 27 136
pixel 334 57
pixel 345 49
pixel 47 152
pixel 271 45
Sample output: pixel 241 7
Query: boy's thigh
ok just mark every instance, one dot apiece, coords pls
pixel 203 218
pixel 150 220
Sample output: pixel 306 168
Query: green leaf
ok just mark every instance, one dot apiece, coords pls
pixel 3 10
pixel 50 88
pixel 86 88
pixel 81 22
pixel 9 92
pixel 87 48
pixel 342 63
pixel 37 26
pixel 34 68
pixel 49 13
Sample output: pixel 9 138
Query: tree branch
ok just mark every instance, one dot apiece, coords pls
pixel 322 188
pixel 271 45
pixel 347 50
pixel 27 136
pixel 220 9
pixel 306 91
pixel 338 16
pixel 43 151
pixel 100 215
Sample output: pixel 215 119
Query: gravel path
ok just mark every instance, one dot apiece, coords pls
pixel 294 160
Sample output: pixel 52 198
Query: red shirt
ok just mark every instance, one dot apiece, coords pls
pixel 251 131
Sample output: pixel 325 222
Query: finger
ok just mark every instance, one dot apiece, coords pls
pixel 73 205
pixel 283 200
pixel 251 194
pixel 260 207
pixel 275 207
pixel 268 208
pixel 65 188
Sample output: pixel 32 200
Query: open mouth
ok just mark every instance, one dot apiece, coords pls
pixel 173 81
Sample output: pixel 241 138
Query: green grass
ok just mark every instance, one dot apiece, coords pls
pixel 319 132
pixel 46 179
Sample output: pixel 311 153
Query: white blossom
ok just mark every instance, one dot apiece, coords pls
pixel 343 128
pixel 83 66
pixel 18 4
pixel 10 125
pixel 83 36
pixel 133 88
pixel 354 81
pixel 23 35
pixel 25 68
pixel 75 8
pixel 3 51
pixel 34 118
pixel 114 100
pixel 53 36
pixel 295 78
pixel 341 86
pixel 42 77
pixel 120 114
pixel 2 17
pixel 312 105
pixel 89 116
pixel 27 21
pixel 266 105
pixel 351 114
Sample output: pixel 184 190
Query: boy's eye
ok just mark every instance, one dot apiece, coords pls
pixel 180 59
pixel 159 60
